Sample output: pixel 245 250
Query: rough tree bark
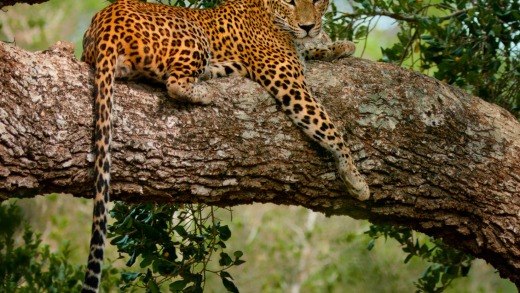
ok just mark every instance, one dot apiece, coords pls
pixel 437 159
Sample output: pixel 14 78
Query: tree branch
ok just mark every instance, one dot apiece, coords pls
pixel 437 159
pixel 405 17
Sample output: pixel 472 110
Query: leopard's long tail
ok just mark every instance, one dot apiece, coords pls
pixel 103 92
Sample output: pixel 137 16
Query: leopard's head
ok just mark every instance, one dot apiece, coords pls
pixel 301 18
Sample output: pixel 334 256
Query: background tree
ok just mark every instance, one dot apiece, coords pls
pixel 470 44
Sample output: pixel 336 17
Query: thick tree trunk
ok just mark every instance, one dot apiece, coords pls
pixel 437 160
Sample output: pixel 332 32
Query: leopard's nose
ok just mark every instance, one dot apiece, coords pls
pixel 307 28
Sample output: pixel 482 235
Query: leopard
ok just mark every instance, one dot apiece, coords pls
pixel 262 40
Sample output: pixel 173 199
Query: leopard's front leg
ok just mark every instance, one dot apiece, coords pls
pixel 311 117
pixel 287 84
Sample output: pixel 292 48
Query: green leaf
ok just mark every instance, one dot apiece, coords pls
pixel 132 259
pixel 224 232
pixel 148 276
pixel 146 262
pixel 225 260
pixel 154 288
pixel 366 5
pixel 371 244
pixel 225 274
pixel 178 286
pixel 120 240
pixel 230 286
pixel 238 262
pixel 181 231
pixel 129 276
pixel 221 244
pixel 238 254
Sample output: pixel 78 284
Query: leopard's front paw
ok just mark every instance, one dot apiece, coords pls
pixel 195 93
pixel 203 93
pixel 342 49
pixel 356 184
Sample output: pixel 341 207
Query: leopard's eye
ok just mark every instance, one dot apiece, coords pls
pixel 291 2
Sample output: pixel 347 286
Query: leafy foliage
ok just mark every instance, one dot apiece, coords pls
pixel 471 44
pixel 447 264
pixel 29 266
pixel 175 245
